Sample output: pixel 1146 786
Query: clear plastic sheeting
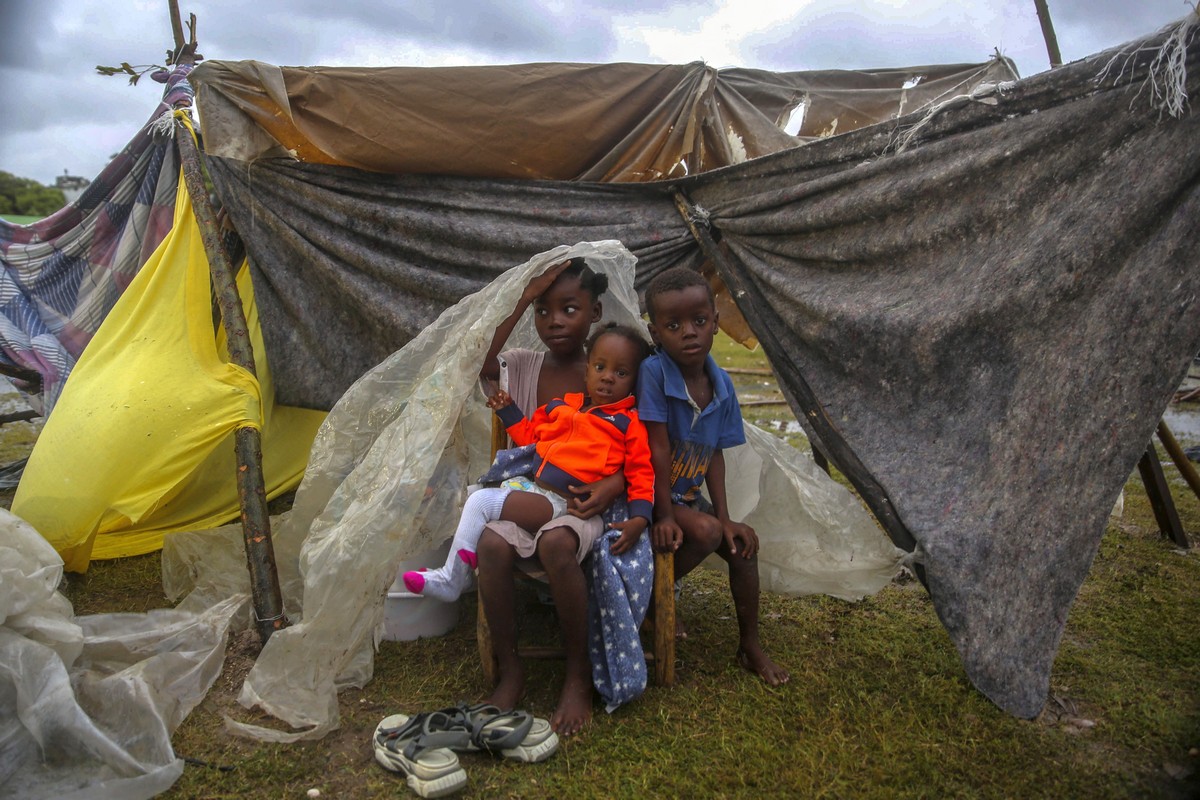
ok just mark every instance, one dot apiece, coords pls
pixel 814 535
pixel 88 704
pixel 387 476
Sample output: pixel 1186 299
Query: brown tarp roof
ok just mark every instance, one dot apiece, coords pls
pixel 595 122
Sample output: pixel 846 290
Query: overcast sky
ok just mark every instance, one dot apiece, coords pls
pixel 60 116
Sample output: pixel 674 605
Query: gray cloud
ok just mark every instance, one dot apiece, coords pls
pixel 857 34
pixel 851 39
pixel 1108 22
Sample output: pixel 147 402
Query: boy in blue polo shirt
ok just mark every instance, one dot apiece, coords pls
pixel 691 413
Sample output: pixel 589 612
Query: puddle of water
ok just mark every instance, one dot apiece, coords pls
pixel 1184 424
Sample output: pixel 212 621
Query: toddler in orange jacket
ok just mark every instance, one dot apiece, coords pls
pixel 578 439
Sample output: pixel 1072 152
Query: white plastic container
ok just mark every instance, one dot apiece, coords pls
pixel 408 616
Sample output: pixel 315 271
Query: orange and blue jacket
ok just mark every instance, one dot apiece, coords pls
pixel 577 447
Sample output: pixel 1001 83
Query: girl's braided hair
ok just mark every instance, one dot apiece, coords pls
pixel 592 282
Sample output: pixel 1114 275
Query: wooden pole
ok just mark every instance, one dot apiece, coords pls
pixel 20 373
pixel 185 50
pixel 176 25
pixel 256 522
pixel 664 619
pixel 1159 494
pixel 832 444
pixel 1043 12
pixel 1182 463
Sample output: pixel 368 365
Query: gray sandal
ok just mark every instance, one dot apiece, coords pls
pixel 404 744
pixel 483 727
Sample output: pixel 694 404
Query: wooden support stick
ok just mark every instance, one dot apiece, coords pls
pixel 1182 462
pixel 819 459
pixel 664 619
pixel 806 405
pixel 1160 497
pixel 1043 12
pixel 1183 396
pixel 256 522
pixel 176 25
pixel 20 373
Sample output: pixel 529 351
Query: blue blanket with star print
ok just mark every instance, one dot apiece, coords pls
pixel 621 590
pixel 619 593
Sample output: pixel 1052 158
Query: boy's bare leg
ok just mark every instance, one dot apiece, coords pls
pixel 743 585
pixel 702 536
pixel 557 550
pixel 496 560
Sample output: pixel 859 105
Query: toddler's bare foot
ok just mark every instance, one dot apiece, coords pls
pixel 574 710
pixel 758 662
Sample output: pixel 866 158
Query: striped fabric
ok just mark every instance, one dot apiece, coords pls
pixel 62 274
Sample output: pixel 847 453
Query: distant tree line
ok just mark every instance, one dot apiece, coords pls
pixel 25 197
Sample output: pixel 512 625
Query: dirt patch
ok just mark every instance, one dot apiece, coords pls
pixel 240 653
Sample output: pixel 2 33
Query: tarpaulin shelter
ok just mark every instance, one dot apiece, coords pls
pixel 617 122
pixel 942 295
pixel 938 292
pixel 140 444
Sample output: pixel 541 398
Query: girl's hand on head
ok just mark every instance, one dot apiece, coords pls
pixel 499 400
pixel 631 530
pixel 537 286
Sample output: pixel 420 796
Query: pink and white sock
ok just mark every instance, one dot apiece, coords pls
pixel 454 577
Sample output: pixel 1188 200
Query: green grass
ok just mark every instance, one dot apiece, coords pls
pixel 878 705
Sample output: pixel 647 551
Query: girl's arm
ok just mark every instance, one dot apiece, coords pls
pixel 533 290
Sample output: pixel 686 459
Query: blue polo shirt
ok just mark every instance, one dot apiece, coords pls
pixel 695 433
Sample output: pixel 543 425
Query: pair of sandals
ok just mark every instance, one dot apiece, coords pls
pixel 423 747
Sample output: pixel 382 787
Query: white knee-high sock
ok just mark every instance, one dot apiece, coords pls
pixel 449 581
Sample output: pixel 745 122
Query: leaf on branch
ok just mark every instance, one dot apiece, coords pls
pixel 134 73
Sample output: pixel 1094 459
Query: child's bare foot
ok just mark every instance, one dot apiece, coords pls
pixel 758 662
pixel 574 710
pixel 508 692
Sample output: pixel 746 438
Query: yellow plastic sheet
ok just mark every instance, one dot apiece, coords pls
pixel 141 441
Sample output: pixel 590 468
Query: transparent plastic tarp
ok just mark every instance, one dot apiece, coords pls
pixel 88 704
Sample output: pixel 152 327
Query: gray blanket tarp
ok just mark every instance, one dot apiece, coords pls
pixel 993 315
pixel 994 321
pixel 348 266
